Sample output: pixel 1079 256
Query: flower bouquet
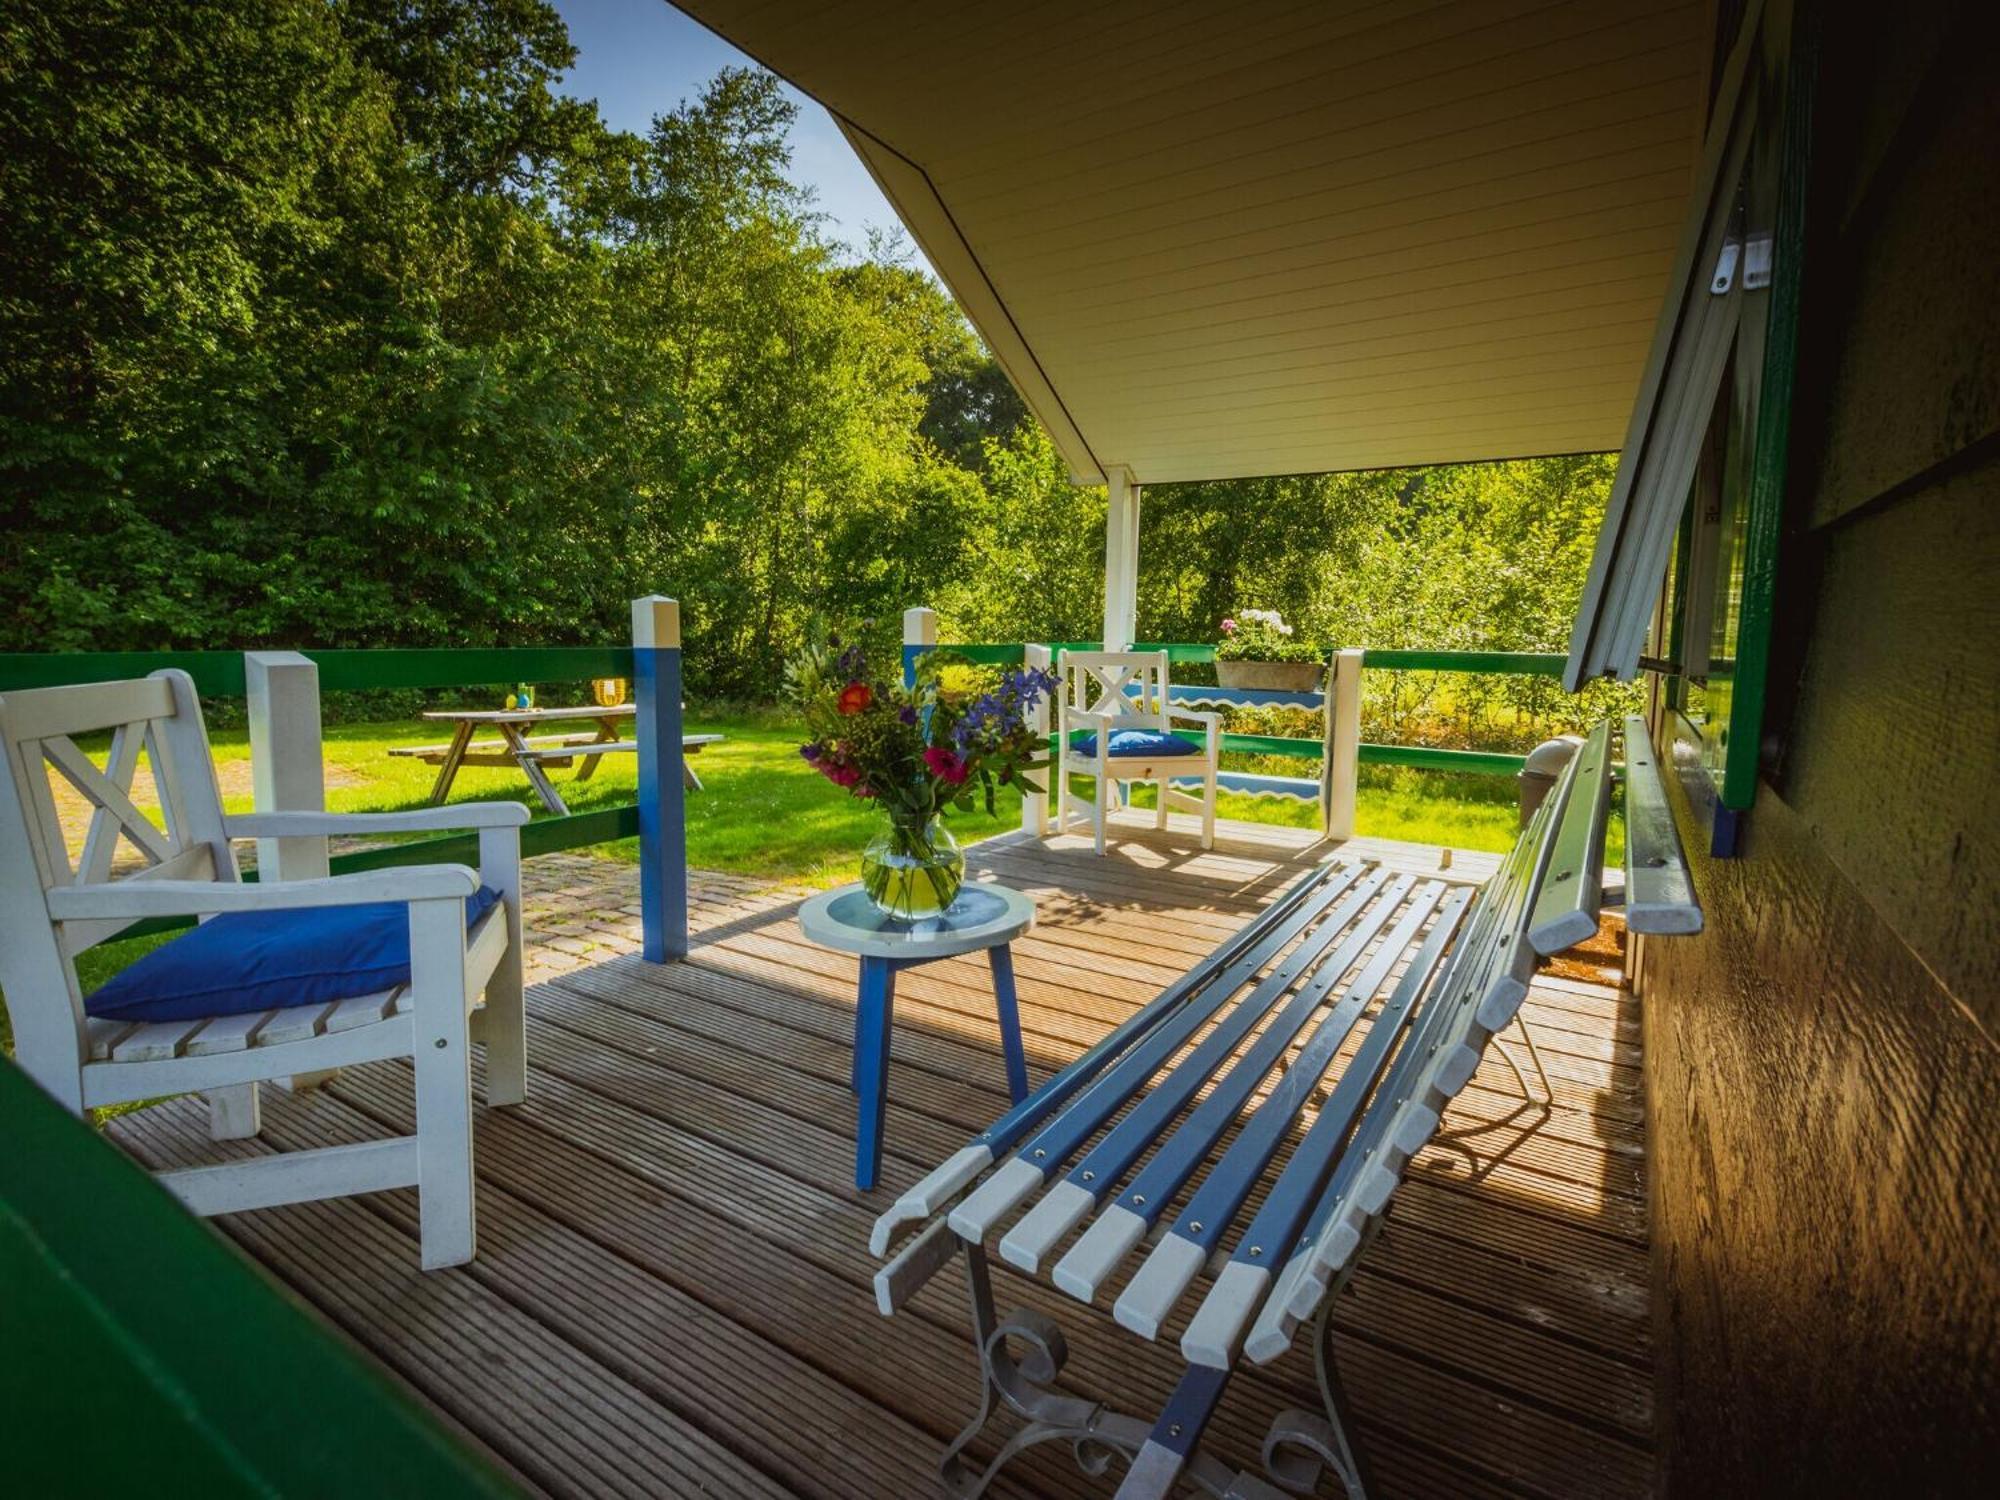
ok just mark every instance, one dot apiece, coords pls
pixel 1259 650
pixel 915 751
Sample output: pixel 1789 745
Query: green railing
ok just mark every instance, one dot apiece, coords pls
pixel 220 674
pixel 1416 757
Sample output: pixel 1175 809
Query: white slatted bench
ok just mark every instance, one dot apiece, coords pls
pixel 1134 1171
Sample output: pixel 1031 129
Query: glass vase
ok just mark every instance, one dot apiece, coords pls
pixel 912 873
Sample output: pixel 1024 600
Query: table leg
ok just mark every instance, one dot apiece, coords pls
pixel 607 731
pixel 872 1030
pixel 448 767
pixel 532 769
pixel 1001 957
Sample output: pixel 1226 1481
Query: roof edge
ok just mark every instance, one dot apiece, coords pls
pixel 909 190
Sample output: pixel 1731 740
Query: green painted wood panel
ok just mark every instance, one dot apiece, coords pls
pixel 144 1355
pixel 219 674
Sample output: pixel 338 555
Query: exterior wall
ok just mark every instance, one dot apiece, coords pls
pixel 1823 1074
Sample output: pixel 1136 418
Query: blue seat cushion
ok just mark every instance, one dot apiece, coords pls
pixel 264 960
pixel 1133 743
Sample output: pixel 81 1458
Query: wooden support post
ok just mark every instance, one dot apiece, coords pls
pixel 287 768
pixel 1121 558
pixel 1035 805
pixel 656 677
pixel 1340 765
pixel 919 634
pixel 287 774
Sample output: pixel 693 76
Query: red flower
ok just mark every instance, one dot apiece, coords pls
pixel 855 697
pixel 947 765
pixel 840 774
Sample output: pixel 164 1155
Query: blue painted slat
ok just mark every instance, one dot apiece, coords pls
pixel 1108 1161
pixel 1188 1410
pixel 663 898
pixel 1193 695
pixel 1305 789
pixel 1003 1133
pixel 1278 1225
pixel 1075 1125
pixel 1222 1192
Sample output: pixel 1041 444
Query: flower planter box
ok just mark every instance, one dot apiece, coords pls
pixel 1281 676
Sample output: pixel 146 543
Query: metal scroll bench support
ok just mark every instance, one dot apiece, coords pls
pixel 1153 1142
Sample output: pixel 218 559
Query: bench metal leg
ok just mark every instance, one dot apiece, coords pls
pixel 1020 1358
pixel 873 1028
pixel 1548 1098
pixel 1004 1002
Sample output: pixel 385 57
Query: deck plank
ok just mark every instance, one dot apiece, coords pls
pixel 673 1292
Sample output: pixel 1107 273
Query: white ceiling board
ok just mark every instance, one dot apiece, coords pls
pixel 1226 237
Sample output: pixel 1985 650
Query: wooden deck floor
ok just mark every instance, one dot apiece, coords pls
pixel 672 1293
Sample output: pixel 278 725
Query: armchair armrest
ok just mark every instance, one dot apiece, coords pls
pixel 1210 721
pixel 1070 719
pixel 281 825
pixel 133 899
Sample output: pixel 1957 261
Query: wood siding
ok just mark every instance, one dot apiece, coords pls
pixel 1823 1074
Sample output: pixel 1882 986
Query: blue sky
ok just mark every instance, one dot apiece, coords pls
pixel 639 58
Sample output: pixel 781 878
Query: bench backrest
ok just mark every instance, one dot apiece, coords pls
pixel 1474 995
pixel 157 719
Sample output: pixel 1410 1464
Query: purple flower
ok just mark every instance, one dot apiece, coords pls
pixel 811 752
pixel 907 714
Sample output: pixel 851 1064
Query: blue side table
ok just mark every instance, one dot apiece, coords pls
pixel 984 916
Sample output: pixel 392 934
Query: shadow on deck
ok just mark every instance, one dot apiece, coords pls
pixel 672 1294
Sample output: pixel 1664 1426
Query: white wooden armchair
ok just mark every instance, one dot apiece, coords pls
pixel 52 909
pixel 1117 701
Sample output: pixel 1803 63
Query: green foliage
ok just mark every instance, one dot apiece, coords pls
pixel 332 322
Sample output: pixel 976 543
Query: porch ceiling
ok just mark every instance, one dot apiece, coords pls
pixel 1216 238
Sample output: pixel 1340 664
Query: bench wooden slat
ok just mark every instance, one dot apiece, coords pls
pixel 1333 947
pixel 1059 1139
pixel 1659 894
pixel 1571 892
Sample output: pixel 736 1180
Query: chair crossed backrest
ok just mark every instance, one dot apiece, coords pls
pixel 56 904
pixel 1115 723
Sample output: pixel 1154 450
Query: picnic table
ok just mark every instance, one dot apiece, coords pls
pixel 599 731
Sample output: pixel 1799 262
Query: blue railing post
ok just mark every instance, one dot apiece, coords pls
pixel 656 687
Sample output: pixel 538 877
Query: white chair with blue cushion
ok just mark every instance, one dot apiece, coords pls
pixel 281 978
pixel 1115 724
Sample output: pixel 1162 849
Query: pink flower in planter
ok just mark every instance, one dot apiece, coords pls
pixel 1229 627
pixel 947 765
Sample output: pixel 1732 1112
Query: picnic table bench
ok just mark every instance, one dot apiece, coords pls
pixel 536 755
pixel 1155 1141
